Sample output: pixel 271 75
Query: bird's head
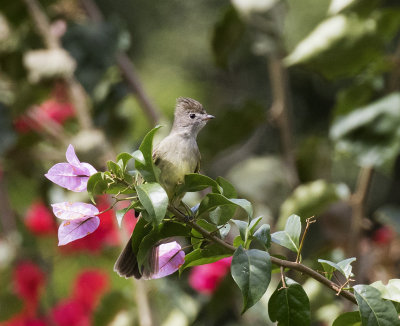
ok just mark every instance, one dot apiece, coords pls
pixel 190 116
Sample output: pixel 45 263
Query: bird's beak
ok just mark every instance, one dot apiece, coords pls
pixel 208 117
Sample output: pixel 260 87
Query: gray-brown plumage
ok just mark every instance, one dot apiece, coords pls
pixel 176 155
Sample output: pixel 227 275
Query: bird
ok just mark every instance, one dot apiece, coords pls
pixel 176 155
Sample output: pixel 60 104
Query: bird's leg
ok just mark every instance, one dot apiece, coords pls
pixel 189 212
pixel 183 209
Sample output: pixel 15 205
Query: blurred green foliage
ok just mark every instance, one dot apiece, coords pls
pixel 342 63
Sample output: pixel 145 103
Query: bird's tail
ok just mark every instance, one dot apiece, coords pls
pixel 126 264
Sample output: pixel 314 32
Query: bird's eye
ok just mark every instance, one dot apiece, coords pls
pixel 192 116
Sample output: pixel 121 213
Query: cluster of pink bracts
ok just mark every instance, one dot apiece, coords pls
pixel 81 219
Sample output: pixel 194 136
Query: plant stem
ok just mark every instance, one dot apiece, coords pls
pixel 8 221
pixel 280 262
pixel 309 221
pixel 283 277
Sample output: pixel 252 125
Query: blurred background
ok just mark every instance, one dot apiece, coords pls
pixel 307 105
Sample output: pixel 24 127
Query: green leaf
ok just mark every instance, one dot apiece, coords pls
pixel 115 169
pixel 226 37
pixel 96 185
pixel 238 241
pixel 242 226
pixel 211 202
pixel 251 270
pixel 121 213
pixel 263 235
pixel 289 238
pixel 147 169
pixel 245 204
pixel 290 305
pixel 311 199
pixel 196 182
pixel 344 267
pixel 391 291
pixel 253 224
pixel 142 228
pixel 370 133
pixel 110 305
pixel 222 214
pixel 154 200
pixel 138 156
pixel 207 255
pixel 155 236
pixel 10 305
pixel 123 159
pixel 224 230
pixel 329 267
pixel 373 309
pixel 228 190
pixel 332 47
pixel 348 319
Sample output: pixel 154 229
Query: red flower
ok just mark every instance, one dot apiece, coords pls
pixel 70 312
pixel 39 220
pixel 383 236
pixel 57 109
pixel 89 286
pixel 29 280
pixel 106 233
pixel 206 278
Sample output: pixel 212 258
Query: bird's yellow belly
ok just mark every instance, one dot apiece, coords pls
pixel 173 173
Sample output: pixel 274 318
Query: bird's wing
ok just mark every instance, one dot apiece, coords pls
pixel 156 157
pixel 197 169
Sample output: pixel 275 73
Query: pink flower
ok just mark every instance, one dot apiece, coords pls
pixel 77 310
pixel 106 233
pixel 70 312
pixel 206 278
pixel 73 175
pixel 80 220
pixel 170 257
pixel 39 219
pixel 89 286
pixel 29 280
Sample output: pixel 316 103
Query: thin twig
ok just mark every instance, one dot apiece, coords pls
pixel 358 208
pixel 77 93
pixel 42 24
pixel 279 113
pixel 127 69
pixel 342 286
pixel 283 278
pixel 309 221
pixel 280 262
